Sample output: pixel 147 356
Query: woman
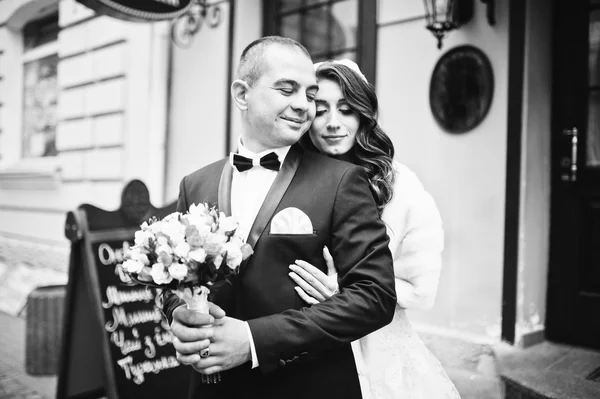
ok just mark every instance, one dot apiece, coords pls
pixel 392 362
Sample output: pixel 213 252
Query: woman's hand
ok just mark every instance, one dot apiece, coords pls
pixel 314 286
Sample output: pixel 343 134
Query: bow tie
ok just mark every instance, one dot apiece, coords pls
pixel 269 161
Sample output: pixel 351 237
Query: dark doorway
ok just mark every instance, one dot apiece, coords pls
pixel 573 315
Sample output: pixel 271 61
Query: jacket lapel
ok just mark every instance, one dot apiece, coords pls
pixel 224 195
pixel 279 187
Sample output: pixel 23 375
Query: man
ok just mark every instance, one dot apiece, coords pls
pixel 271 345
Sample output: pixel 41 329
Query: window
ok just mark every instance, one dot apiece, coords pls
pixel 328 29
pixel 40 88
pixel 40 32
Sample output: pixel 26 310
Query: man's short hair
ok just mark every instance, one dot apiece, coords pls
pixel 250 67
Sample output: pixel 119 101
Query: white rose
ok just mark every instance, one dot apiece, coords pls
pixel 157 227
pixel 236 240
pixel 162 241
pixel 200 221
pixel 172 216
pixel 178 271
pixel 227 224
pixel 214 244
pixel 199 209
pixel 175 231
pixel 164 248
pixel 133 266
pixel 234 255
pixel 160 275
pixel 182 250
pixel 136 254
pixel 143 237
pixel 194 220
pixel 203 230
pixel 199 255
pixel 139 238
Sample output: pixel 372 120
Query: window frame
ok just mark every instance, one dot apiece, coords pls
pixel 33 54
pixel 18 172
pixel 366 35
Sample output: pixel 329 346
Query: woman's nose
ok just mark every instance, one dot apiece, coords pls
pixel 333 123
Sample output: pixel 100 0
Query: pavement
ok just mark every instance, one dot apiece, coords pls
pixel 15 383
pixel 550 370
pixel 474 381
pixel 546 370
pixel 23 267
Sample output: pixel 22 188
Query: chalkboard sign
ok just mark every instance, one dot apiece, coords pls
pixel 116 342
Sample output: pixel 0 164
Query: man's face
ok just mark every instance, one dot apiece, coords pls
pixel 281 103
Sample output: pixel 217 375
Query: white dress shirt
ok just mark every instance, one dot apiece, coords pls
pixel 248 191
pixel 249 188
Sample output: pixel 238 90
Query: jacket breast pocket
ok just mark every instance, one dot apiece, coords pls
pixel 286 248
pixel 313 234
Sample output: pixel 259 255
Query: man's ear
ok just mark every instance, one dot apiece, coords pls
pixel 239 93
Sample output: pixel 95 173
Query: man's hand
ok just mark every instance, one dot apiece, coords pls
pixel 192 331
pixel 229 347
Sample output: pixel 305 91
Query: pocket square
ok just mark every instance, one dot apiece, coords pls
pixel 291 221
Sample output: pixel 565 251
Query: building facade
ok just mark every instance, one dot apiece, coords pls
pixel 89 102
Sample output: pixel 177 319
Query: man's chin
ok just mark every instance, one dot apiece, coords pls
pixel 291 137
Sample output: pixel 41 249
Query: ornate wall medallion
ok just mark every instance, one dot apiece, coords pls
pixel 461 89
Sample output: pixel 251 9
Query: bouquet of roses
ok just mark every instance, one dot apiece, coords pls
pixel 186 253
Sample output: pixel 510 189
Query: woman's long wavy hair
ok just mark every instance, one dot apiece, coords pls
pixel 373 150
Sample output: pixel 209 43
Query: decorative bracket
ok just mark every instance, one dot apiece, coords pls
pixel 186 26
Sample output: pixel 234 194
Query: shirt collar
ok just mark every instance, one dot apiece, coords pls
pixel 281 152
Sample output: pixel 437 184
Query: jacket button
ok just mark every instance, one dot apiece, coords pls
pixel 281 362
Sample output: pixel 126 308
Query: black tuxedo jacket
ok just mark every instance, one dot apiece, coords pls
pixel 303 351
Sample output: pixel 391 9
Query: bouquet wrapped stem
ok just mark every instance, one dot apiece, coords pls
pixel 196 299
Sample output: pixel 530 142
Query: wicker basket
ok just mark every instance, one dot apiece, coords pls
pixel 44 327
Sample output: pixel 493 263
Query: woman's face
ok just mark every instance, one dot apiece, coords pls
pixel 334 129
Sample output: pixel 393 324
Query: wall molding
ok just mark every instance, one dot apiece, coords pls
pixel 13 208
pixel 92 49
pixel 93 82
pixel 31 174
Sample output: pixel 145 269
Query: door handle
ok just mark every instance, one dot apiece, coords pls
pixel 572 165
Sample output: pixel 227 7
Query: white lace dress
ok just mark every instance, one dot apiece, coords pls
pixel 393 362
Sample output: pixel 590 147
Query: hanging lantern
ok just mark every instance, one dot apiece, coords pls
pixel 443 16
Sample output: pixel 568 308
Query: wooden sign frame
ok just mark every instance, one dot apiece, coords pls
pixel 87 365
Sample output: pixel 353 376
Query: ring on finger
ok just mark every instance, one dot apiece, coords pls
pixel 204 353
